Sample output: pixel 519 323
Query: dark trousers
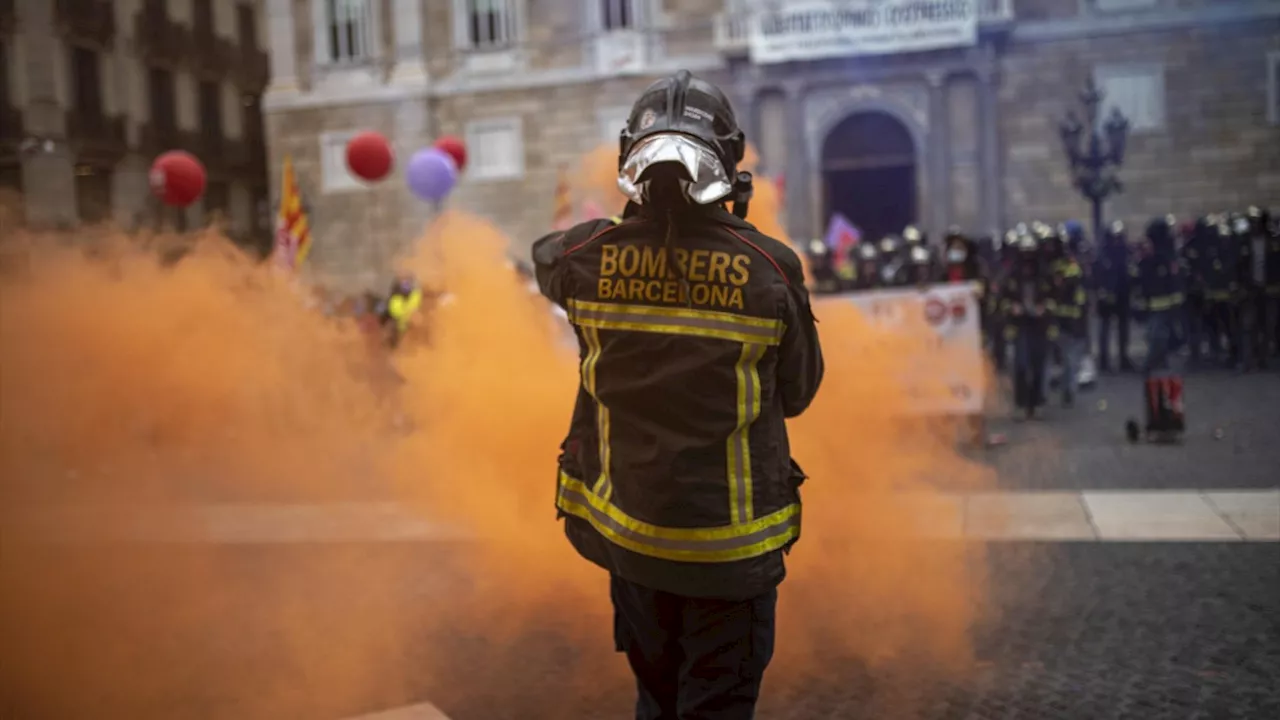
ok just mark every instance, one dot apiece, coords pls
pixel 693 658
pixel 1030 356
pixel 1106 317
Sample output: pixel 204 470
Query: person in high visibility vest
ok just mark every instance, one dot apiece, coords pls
pixel 697 342
pixel 403 304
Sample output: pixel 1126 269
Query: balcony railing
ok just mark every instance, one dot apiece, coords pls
pixel 733 29
pixel 88 21
pixel 8 17
pixel 97 135
pixel 161 41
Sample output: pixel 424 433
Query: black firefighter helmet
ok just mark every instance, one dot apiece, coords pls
pixel 687 124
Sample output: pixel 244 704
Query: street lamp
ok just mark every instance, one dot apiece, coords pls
pixel 1095 158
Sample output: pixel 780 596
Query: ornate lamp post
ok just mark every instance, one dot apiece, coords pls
pixel 1095 157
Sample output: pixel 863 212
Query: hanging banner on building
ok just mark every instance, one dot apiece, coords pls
pixel 935 337
pixel 816 29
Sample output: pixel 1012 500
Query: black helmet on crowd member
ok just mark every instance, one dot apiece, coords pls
pixel 684 129
pixel 1160 232
pixel 1260 219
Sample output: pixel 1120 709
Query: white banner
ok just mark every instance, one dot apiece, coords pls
pixel 815 29
pixel 942 368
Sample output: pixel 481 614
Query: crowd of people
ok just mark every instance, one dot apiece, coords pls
pixel 1209 288
pixel 384 318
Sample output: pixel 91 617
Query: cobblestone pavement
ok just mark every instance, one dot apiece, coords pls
pixel 1084 447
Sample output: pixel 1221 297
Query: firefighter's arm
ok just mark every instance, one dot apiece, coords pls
pixel 800 364
pixel 548 254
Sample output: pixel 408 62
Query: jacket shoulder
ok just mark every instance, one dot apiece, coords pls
pixel 780 253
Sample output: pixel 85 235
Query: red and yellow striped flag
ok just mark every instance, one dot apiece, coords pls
pixel 563 217
pixel 293 230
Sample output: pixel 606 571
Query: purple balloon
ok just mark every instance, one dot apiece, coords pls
pixel 431 174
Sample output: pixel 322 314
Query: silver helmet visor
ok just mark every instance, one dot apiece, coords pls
pixel 706 179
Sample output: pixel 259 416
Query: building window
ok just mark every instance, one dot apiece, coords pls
pixel 1137 91
pixel 612 121
pixel 349 37
pixel 488 25
pixel 617 15
pixel 496 148
pixel 162 101
pixel 1273 87
pixel 93 193
pixel 211 110
pixel 86 81
pixel 335 175
pixel 247 26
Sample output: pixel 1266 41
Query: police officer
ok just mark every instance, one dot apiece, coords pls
pixel 697 342
pixel 1067 306
pixel 1112 278
pixel 1024 303
pixel 1160 292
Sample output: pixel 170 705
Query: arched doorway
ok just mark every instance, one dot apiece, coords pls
pixel 869 174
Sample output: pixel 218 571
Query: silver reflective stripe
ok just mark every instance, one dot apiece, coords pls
pixel 721 325
pixel 739 445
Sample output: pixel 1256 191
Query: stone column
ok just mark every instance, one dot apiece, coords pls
pixel 48 165
pixel 284 49
pixel 800 177
pixel 939 195
pixel 989 146
pixel 408 59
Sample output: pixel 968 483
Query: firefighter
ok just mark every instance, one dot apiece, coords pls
pixel 1194 256
pixel 919 266
pixel 1219 288
pixel 1006 255
pixel 1067 306
pixel 1256 278
pixel 913 236
pixel 867 266
pixel 894 256
pixel 1270 229
pixel 1024 303
pixel 960 259
pixel 1112 278
pixel 825 279
pixel 1159 292
pixel 669 480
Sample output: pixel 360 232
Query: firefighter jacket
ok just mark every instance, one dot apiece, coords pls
pixel 676 472
pixel 1068 301
pixel 1111 276
pixel 1160 285
pixel 1219 272
pixel 1273 262
pixel 1024 303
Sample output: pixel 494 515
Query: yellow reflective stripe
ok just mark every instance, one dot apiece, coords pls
pixel 592 338
pixel 1165 302
pixel 676 321
pixel 717 544
pixel 747 372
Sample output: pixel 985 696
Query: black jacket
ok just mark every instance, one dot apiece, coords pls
pixel 676 472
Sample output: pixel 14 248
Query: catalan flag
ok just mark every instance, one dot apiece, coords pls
pixel 293 230
pixel 563 217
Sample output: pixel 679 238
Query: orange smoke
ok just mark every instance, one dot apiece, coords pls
pixel 149 389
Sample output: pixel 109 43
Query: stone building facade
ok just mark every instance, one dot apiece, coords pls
pixel 93 90
pixel 965 134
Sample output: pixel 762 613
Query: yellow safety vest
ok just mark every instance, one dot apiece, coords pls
pixel 402 307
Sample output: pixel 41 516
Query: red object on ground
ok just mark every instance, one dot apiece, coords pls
pixel 455 148
pixel 177 178
pixel 369 156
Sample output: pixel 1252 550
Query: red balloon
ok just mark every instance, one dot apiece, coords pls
pixel 455 148
pixel 369 156
pixel 177 178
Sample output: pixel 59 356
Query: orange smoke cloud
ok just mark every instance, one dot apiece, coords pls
pixel 149 389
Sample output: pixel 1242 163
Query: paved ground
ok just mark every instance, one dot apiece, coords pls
pixel 1088 630
pixel 1085 447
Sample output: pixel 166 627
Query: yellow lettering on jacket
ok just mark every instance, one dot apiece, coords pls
pixel 633 273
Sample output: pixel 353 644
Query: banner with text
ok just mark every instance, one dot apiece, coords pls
pixel 815 29
pixel 935 332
